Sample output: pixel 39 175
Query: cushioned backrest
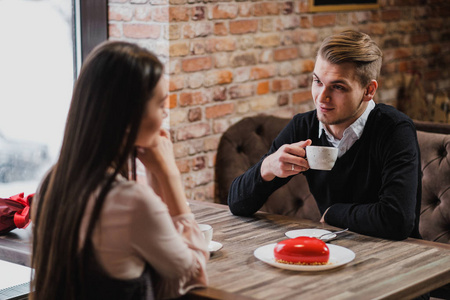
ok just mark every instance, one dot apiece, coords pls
pixel 435 212
pixel 243 145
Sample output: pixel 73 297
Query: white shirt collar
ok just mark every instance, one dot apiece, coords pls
pixel 351 134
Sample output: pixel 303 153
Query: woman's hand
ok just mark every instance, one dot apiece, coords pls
pixel 288 160
pixel 159 158
pixel 159 162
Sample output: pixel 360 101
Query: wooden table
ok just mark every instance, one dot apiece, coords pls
pixel 15 246
pixel 382 269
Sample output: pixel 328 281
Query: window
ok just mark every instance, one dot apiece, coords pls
pixel 38 56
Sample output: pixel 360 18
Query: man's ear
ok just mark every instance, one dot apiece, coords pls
pixel 370 91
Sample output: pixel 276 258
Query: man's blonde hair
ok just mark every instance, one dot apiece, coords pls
pixel 354 47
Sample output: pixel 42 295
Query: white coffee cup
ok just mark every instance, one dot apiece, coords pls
pixel 207 231
pixel 321 157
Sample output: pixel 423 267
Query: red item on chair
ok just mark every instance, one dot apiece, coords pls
pixel 14 212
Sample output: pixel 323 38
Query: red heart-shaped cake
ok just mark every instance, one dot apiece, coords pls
pixel 302 250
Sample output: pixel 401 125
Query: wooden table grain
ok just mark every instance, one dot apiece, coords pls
pixel 382 269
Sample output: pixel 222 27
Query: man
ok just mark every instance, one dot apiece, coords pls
pixel 375 186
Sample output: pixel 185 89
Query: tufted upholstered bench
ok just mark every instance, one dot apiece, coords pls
pixel 244 143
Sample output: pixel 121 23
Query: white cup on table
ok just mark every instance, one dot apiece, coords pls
pixel 321 157
pixel 207 231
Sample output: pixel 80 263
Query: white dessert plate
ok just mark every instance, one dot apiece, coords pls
pixel 214 246
pixel 338 256
pixel 311 232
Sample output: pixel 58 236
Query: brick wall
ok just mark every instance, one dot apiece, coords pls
pixel 226 60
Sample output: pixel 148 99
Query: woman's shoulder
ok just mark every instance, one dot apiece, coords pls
pixel 134 195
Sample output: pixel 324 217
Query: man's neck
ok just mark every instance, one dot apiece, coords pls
pixel 337 130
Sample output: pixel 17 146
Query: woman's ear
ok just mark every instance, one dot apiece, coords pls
pixel 370 90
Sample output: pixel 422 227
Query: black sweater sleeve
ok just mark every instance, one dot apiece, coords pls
pixel 248 192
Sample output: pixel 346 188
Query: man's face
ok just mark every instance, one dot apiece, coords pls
pixel 338 95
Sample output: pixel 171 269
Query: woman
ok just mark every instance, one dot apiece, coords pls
pixel 98 235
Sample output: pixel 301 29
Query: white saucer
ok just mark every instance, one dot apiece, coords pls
pixel 311 232
pixel 214 246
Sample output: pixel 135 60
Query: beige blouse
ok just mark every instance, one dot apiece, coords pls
pixel 135 227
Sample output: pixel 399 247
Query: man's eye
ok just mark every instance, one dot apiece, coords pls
pixel 339 87
pixel 317 81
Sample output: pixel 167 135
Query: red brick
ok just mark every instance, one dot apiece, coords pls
pixel 195 114
pixel 178 14
pixel 266 8
pixel 241 91
pixel 183 165
pixel 283 99
pixel 288 8
pixel 219 93
pixel 198 13
pixel 324 20
pixel 114 30
pixel 195 98
pixel 193 131
pixel 197 64
pixel 178 49
pixel 420 38
pixel 160 14
pixel 141 31
pixel 300 97
pixel 219 110
pixel 243 59
pixel 305 22
pixel 261 73
pixel 176 83
pixel 218 77
pixel 263 88
pixel 391 15
pixel 221 44
pixel 286 54
pixel 267 40
pixel 198 163
pixel 224 11
pixel 119 13
pixel 199 178
pixel 377 29
pixel 308 66
pixel 203 193
pixel 143 13
pixel 173 101
pixel 220 125
pixel 303 6
pixel 245 9
pixel 304 81
pixel 220 29
pixel 281 85
pixel 224 76
pixel 308 36
pixel 243 26
pixel 211 143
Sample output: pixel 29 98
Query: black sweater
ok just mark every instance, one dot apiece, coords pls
pixel 373 189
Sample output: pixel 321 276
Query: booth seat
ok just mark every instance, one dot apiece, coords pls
pixel 245 142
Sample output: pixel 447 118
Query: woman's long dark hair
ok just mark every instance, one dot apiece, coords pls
pixel 109 99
